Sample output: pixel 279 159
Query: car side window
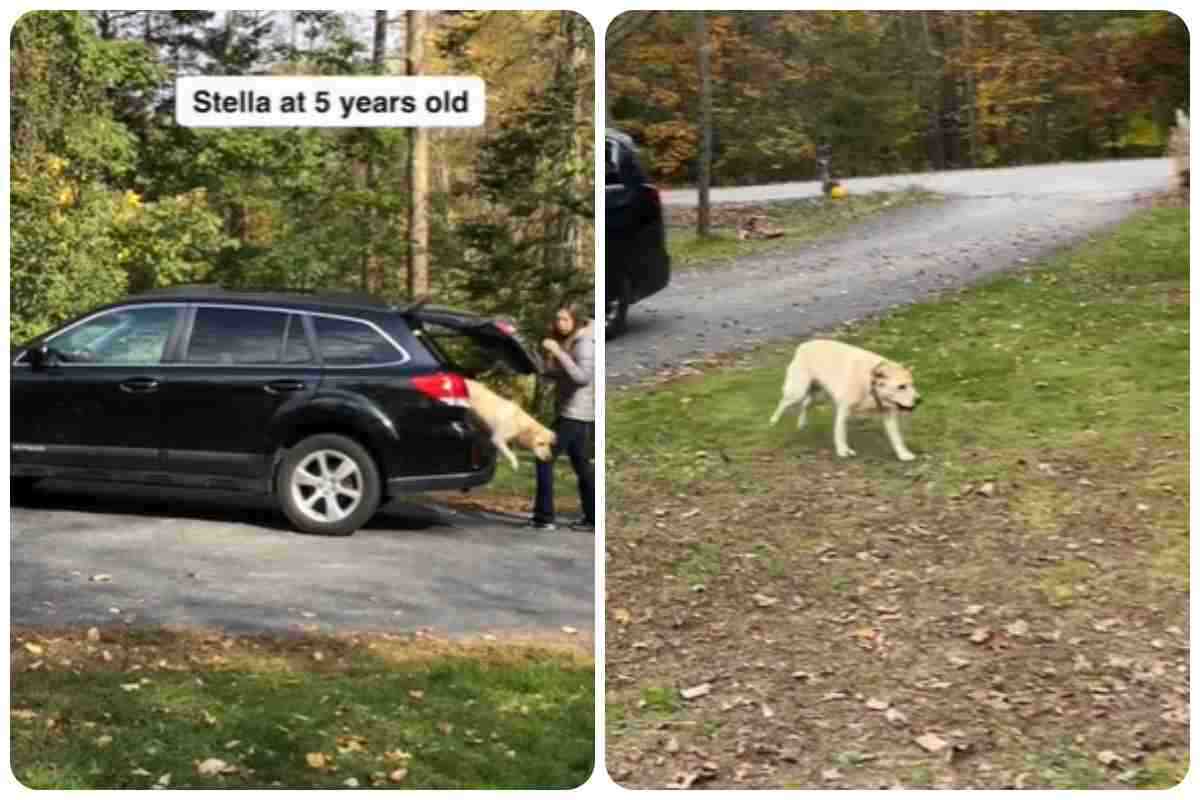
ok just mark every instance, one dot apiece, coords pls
pixel 347 342
pixel 296 349
pixel 124 337
pixel 236 336
pixel 612 163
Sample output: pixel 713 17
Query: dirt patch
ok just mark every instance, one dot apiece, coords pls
pixel 833 632
pixel 1175 198
pixel 727 215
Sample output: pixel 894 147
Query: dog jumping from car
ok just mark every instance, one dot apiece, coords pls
pixel 857 381
pixel 509 423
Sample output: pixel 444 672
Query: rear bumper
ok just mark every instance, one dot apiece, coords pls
pixel 412 484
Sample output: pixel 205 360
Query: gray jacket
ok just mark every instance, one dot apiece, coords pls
pixel 573 374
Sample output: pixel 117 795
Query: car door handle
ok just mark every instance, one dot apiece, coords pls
pixel 140 385
pixel 279 387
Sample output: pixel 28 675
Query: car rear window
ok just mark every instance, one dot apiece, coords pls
pixel 463 352
pixel 236 336
pixel 348 343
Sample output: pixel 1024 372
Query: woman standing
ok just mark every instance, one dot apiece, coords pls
pixel 570 360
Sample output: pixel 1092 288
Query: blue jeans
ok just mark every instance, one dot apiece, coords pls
pixel 574 437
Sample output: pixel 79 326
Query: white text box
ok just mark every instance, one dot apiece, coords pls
pixel 427 101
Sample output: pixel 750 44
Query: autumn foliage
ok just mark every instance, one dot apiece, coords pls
pixel 899 91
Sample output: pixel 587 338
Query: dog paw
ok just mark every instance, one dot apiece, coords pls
pixel 847 453
pixel 906 456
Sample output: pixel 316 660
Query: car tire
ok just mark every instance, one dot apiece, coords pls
pixel 20 489
pixel 328 485
pixel 616 313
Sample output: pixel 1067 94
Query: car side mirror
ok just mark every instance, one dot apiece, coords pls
pixel 41 356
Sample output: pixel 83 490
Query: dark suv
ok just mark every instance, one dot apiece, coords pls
pixel 636 263
pixel 330 403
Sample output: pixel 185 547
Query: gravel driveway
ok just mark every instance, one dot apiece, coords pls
pixel 991 220
pixel 81 555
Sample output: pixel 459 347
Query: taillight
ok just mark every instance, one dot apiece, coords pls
pixel 444 387
pixel 505 327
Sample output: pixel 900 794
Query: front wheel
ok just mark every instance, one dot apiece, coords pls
pixel 616 312
pixel 328 485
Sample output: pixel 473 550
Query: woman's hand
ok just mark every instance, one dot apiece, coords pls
pixel 552 347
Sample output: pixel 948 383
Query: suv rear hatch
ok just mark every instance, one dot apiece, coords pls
pixel 473 345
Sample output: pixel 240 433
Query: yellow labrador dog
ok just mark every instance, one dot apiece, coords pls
pixel 508 422
pixel 857 381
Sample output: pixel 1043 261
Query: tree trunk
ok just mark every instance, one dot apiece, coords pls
pixel 574 61
pixel 969 101
pixel 705 58
pixel 372 279
pixel 418 170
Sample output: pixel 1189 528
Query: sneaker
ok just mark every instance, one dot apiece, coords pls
pixel 584 525
pixel 538 525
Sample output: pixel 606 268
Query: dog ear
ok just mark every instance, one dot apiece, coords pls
pixel 880 371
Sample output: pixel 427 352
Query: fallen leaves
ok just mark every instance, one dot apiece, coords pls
pixel 214 766
pixel 351 744
pixel 932 743
pixel 763 601
pixel 1018 628
pixel 696 691
pixel 685 780
pixel 316 760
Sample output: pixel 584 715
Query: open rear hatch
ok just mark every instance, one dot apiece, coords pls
pixel 473 345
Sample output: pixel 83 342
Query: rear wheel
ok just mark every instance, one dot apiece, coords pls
pixel 616 312
pixel 329 485
pixel 20 489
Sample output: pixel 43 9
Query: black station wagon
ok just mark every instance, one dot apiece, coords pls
pixel 636 262
pixel 331 403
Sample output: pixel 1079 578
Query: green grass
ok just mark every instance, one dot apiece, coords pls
pixel 1065 385
pixel 800 220
pixel 502 719
pixel 660 700
pixel 1077 353
pixel 1067 767
pixel 702 562
pixel 523 482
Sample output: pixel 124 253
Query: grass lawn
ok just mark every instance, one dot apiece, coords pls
pixel 799 220
pixel 138 709
pixel 1011 609
pixel 513 492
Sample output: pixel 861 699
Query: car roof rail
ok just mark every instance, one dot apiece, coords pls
pixel 184 287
